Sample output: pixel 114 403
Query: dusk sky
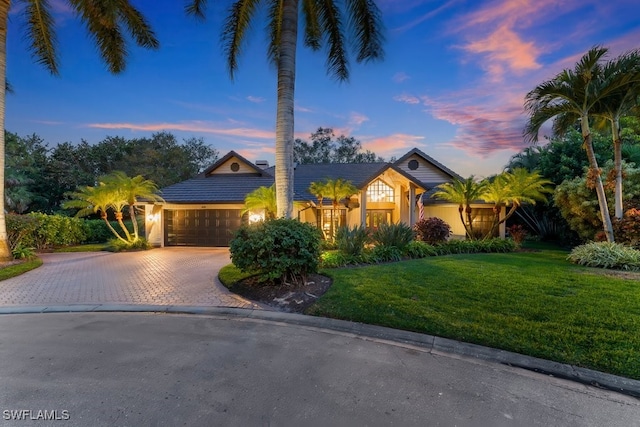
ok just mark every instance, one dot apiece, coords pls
pixel 452 83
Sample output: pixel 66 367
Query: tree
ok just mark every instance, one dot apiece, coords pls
pixel 324 149
pixel 105 22
pixel 570 95
pixel 462 193
pixel 262 198
pixel 132 190
pixel 336 190
pixel 323 24
pixel 318 189
pixel 623 73
pixel 514 189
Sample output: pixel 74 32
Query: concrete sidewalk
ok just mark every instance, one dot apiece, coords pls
pixel 265 368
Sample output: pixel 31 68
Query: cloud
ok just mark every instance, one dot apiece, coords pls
pixel 424 17
pixel 198 127
pixel 255 99
pixel 302 109
pixel 400 77
pixel 407 99
pixel 357 119
pixel 391 145
pixel 48 122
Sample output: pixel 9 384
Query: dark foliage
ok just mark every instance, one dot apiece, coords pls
pixel 432 230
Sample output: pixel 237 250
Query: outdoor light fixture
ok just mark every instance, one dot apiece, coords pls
pixel 256 217
pixel 153 217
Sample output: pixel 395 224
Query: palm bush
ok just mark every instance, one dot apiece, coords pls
pixel 397 235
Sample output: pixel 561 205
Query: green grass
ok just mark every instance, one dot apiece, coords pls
pixel 534 303
pixel 230 274
pixel 91 247
pixel 17 269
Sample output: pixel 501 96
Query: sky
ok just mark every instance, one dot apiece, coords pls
pixel 452 82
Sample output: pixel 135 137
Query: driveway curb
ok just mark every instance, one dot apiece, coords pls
pixel 379 333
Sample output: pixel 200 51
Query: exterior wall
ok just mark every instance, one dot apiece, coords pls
pixel 153 223
pixel 426 172
pixel 449 214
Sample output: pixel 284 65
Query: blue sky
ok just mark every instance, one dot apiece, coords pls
pixel 452 83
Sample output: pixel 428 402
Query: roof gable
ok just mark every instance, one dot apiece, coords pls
pixel 425 168
pixel 233 164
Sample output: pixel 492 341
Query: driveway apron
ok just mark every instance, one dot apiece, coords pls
pixel 162 276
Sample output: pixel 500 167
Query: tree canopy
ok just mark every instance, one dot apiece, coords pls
pixel 324 147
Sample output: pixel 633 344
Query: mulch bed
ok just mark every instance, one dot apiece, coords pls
pixel 284 297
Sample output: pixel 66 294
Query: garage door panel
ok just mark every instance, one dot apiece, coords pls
pixel 201 227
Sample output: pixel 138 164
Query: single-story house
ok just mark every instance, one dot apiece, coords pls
pixel 206 210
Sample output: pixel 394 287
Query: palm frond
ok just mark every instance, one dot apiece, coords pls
pixel 41 32
pixel 312 31
pixel 366 23
pixel 275 30
pixel 235 30
pixel 196 8
pixel 137 25
pixel 332 29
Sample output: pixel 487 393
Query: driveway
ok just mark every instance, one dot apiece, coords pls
pixel 162 276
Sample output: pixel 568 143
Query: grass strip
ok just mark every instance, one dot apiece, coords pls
pixel 17 269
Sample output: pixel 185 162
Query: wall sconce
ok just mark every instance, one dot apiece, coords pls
pixel 153 217
pixel 255 217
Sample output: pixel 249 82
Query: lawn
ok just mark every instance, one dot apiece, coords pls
pixel 533 303
pixel 17 269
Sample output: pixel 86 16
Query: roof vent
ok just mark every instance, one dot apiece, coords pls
pixel 262 164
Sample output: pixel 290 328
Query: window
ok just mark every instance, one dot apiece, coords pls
pixel 235 167
pixel 331 217
pixel 379 191
pixel 413 164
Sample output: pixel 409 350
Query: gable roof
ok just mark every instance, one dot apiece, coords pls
pixel 429 159
pixel 208 171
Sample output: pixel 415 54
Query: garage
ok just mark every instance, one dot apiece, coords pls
pixel 200 227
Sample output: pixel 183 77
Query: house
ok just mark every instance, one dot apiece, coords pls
pixel 206 210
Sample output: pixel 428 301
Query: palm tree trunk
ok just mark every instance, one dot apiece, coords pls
pixel 5 253
pixel 593 163
pixel 113 230
pixel 132 215
pixel 464 223
pixel 124 227
pixel 617 158
pixel 284 115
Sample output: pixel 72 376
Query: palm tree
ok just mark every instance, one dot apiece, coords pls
pixel 105 21
pixel 336 190
pixel 462 193
pixel 624 73
pixel 318 189
pixel 529 158
pixel 261 198
pixel 91 200
pixel 574 94
pixel 132 190
pixel 514 189
pixel 323 24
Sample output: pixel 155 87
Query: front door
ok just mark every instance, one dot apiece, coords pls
pixel 375 217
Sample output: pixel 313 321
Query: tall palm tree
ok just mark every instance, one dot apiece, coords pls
pixel 106 21
pixel 569 95
pixel 323 24
pixel 624 73
pixel 463 193
pixel 261 198
pixel 132 190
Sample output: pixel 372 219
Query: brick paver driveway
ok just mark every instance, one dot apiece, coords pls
pixel 163 276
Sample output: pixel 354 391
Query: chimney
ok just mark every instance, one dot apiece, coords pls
pixel 262 164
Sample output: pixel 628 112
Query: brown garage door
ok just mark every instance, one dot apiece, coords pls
pixel 200 227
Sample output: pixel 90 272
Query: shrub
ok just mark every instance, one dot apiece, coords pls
pixel 351 241
pixel 627 229
pixel 432 230
pixel 96 231
pixel 518 233
pixel 333 259
pixel 384 253
pixel 42 231
pixel 397 235
pixel 117 245
pixel 20 230
pixel 606 255
pixel 21 252
pixel 418 249
pixel 278 250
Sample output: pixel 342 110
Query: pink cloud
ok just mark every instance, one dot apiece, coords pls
pixel 392 145
pixel 201 127
pixel 357 119
pixel 407 99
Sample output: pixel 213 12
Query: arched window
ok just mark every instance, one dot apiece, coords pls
pixel 379 191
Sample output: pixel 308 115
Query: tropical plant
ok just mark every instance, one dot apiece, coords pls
pixel 432 230
pixel 336 190
pixel 262 198
pixel 323 25
pixel 623 73
pixel 398 235
pixel 351 241
pixel 606 255
pixel 514 189
pixel 318 189
pixel 574 95
pixel 105 21
pixel 462 193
